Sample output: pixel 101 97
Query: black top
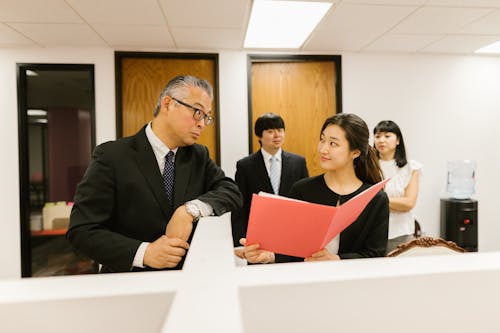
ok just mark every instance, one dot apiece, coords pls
pixel 364 238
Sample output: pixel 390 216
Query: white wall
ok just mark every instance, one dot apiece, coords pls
pixel 233 124
pixel 448 108
pixel 103 59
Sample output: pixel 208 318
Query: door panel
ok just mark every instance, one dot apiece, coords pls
pixel 143 79
pixel 304 94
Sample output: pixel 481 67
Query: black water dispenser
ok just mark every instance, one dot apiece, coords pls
pixel 459 212
pixel 459 222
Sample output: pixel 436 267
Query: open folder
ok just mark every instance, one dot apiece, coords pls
pixel 299 228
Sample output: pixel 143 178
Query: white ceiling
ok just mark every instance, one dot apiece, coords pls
pixel 416 26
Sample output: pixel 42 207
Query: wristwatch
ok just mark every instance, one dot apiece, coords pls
pixel 193 210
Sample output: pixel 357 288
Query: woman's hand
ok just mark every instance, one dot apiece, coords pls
pixel 253 254
pixel 322 255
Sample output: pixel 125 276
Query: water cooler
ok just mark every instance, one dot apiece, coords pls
pixel 459 212
pixel 459 222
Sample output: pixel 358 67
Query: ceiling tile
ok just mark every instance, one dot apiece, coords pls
pixel 135 35
pixel 60 34
pixel 439 20
pixel 36 11
pixel 208 38
pixel 351 27
pixel 388 2
pixel 460 44
pixel 402 43
pixel 464 3
pixel 119 11
pixel 206 14
pixel 329 1
pixel 489 24
pixel 12 38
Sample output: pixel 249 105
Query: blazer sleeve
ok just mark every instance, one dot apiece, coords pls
pixel 90 230
pixel 221 192
pixel 241 178
pixel 239 218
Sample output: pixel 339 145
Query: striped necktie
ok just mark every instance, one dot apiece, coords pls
pixel 273 174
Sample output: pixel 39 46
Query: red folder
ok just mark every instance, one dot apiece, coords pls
pixel 299 228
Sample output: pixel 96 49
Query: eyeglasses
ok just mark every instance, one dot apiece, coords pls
pixel 198 114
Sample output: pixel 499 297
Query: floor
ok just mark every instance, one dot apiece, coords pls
pixel 53 255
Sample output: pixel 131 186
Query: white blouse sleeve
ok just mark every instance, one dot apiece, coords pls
pixel 414 165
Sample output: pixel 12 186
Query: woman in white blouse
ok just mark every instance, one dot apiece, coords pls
pixel 402 189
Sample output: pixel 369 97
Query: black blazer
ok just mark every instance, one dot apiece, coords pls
pixel 121 201
pixel 252 177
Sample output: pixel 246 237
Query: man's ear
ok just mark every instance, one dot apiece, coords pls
pixel 166 101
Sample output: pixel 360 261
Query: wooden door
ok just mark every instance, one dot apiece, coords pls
pixel 303 93
pixel 142 81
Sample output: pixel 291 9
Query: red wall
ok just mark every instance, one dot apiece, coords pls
pixel 68 140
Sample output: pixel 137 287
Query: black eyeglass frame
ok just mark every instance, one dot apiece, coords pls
pixel 198 114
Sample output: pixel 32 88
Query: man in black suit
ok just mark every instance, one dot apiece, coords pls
pixel 135 207
pixel 258 172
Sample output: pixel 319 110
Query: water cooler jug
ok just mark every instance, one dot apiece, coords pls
pixel 459 212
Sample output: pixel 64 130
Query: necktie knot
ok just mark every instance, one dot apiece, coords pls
pixel 170 156
pixel 168 176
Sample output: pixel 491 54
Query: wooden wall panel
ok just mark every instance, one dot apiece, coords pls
pixel 143 79
pixel 304 94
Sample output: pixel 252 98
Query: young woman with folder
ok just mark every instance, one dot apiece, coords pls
pixel 351 167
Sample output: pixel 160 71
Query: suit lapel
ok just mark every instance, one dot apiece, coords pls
pixel 261 171
pixel 147 164
pixel 285 169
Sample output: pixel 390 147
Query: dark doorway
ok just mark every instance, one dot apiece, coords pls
pixel 56 137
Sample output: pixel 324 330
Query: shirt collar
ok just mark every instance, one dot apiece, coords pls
pixel 159 148
pixel 267 156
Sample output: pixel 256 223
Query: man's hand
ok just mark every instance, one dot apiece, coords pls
pixel 322 255
pixel 180 224
pixel 165 252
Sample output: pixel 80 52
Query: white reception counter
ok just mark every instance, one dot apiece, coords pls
pixel 459 293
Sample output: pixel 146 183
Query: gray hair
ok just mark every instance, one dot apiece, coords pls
pixel 183 81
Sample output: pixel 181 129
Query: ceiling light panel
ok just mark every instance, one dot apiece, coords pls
pixel 493 48
pixel 283 24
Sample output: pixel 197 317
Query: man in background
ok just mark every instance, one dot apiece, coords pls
pixel 271 169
